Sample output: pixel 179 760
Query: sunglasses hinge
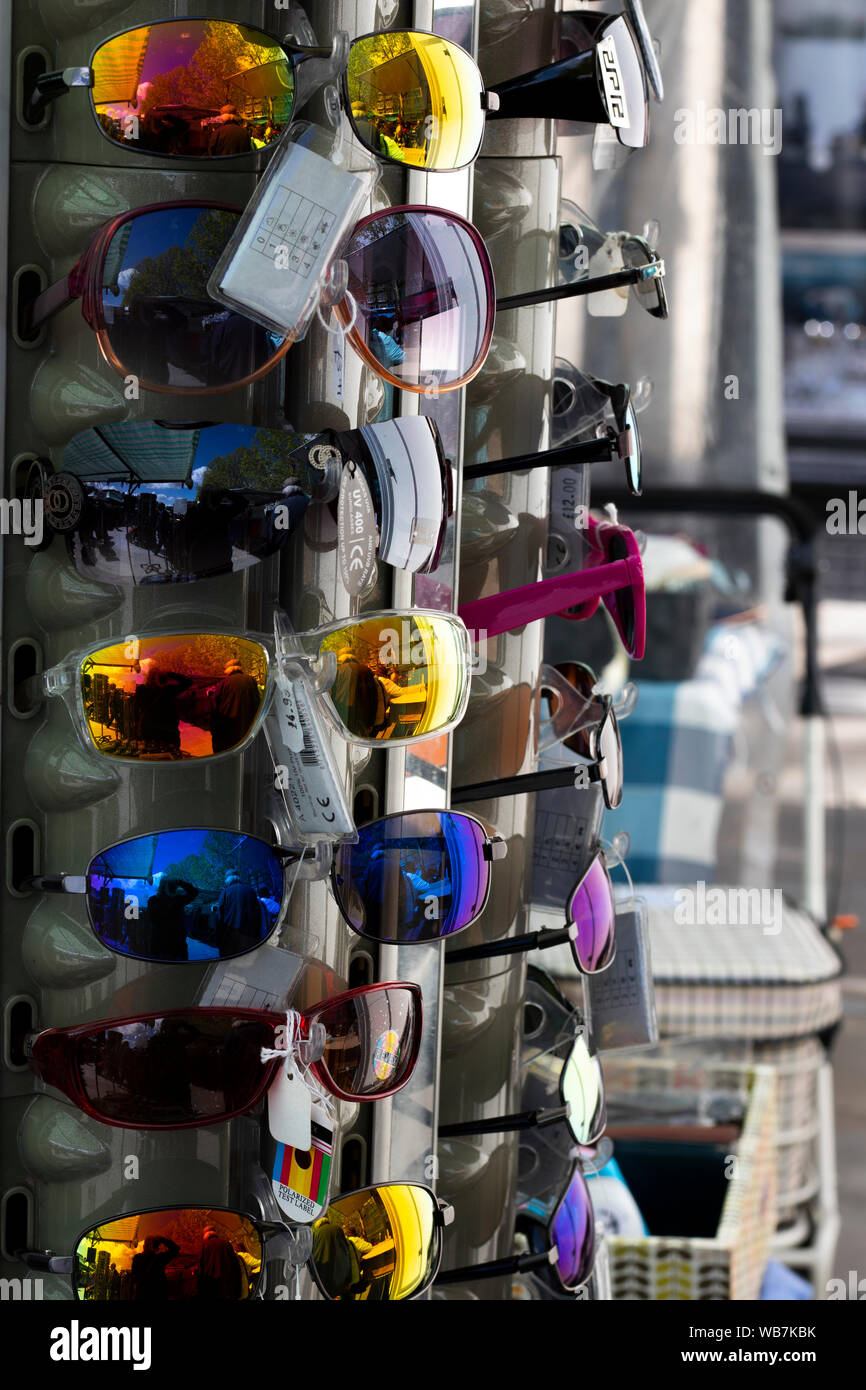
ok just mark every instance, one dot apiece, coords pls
pixel 489 101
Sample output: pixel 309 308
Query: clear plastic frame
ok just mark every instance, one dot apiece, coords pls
pixel 388 677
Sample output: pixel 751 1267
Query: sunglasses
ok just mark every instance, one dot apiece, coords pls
pixel 635 265
pixel 613 575
pixel 189 1067
pixel 562 1245
pixel 567 1072
pixel 199 894
pixel 622 443
pixel 180 1254
pixel 153 502
pixel 420 279
pixel 643 271
pixel 594 737
pixel 212 89
pixel 392 677
pixel 590 913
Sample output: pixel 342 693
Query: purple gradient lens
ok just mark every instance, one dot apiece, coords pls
pixel 423 284
pixel 591 908
pixel 572 1231
pixel 414 876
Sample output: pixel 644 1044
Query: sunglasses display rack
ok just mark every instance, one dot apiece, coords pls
pixel 62 804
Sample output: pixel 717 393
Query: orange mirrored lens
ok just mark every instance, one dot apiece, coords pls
pixel 381 1243
pixel 173 1255
pixel 192 88
pixel 177 697
pixel 399 677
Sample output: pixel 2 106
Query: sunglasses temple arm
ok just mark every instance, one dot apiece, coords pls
pixel 548 780
pixel 619 279
pixel 50 301
pixel 591 451
pixel 498 613
pixel 51 85
pixel 513 1264
pixel 514 945
pixel 53 883
pixel 506 1124
pixel 44 1260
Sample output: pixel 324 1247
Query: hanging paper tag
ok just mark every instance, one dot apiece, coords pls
pixel 607 303
pixel 275 263
pixel 357 532
pixel 300 1178
pixel 289 1106
pixel 304 769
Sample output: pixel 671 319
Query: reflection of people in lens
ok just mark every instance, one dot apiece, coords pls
pixel 155 707
pixel 167 919
pixel 335 1258
pixel 355 693
pixel 219 1272
pixel 149 1283
pixel 237 704
pixel 383 340
pixel 113 1283
pixel 392 144
pixel 238 912
pixel 230 135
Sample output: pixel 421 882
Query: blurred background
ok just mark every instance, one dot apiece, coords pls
pixel 757 381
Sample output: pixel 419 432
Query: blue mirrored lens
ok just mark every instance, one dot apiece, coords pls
pixel 185 895
pixel 417 876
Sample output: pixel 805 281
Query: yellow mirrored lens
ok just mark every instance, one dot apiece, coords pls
pixel 399 677
pixel 192 88
pixel 380 1243
pixel 416 98
pixel 163 698
pixel 172 1255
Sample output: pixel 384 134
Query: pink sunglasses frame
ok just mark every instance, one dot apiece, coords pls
pixel 584 589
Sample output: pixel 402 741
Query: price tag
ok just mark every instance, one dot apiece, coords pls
pixel 289 1106
pixel 295 223
pixel 305 773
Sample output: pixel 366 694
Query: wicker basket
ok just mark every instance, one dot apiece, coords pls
pixel 731 1264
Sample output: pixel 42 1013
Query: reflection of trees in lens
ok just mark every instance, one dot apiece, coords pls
pixel 218 854
pixel 264 463
pixel 183 271
pixel 204 79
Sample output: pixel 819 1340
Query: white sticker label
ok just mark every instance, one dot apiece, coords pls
pixel 304 775
pixel 357 534
pixel 289 1106
pixel 611 76
pixel 290 720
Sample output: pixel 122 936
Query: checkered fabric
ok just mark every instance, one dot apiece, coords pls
pixel 775 978
pixel 677 745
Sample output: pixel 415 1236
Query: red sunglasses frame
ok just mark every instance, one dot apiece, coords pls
pixel 53 1054
pixel 84 282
